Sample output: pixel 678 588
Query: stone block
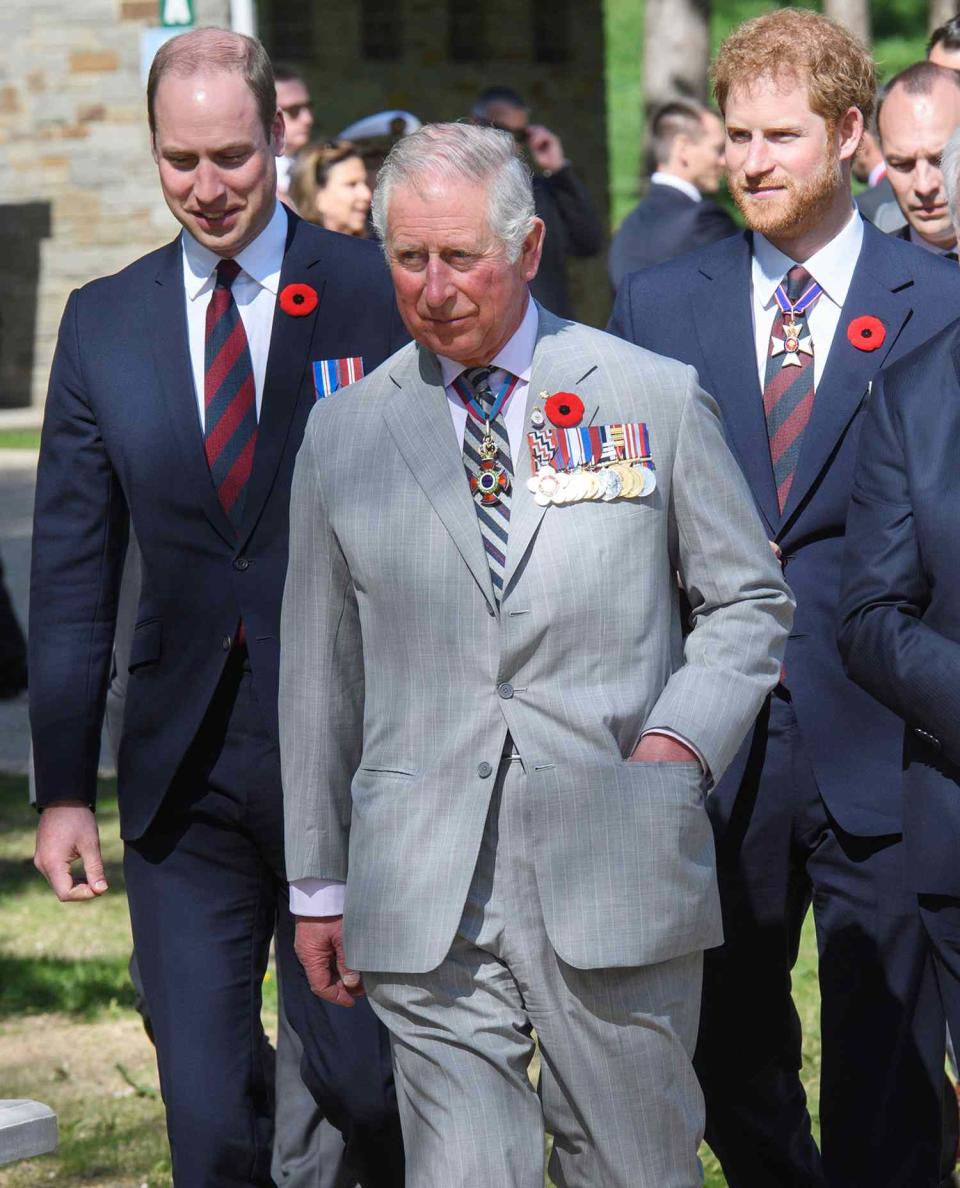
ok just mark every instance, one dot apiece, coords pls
pixel 27 1129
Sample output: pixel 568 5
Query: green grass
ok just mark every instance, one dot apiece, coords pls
pixel 19 439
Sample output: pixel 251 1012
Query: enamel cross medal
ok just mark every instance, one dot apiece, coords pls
pixel 796 340
pixel 491 480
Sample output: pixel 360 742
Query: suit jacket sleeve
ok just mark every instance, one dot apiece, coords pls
pixel 741 608
pixel 886 646
pixel 79 538
pixel 575 206
pixel 321 679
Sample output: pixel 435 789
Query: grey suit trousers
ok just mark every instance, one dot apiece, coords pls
pixel 617 1088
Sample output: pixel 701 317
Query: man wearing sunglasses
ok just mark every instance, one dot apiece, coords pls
pixel 293 99
pixel 573 227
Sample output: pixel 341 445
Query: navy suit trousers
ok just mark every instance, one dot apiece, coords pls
pixel 778 852
pixel 205 885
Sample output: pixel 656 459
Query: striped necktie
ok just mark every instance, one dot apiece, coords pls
pixel 494 518
pixel 230 408
pixel 788 385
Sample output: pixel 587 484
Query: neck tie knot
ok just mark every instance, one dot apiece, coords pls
pixel 796 283
pixel 477 380
pixel 227 273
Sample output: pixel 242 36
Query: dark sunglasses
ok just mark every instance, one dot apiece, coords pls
pixel 518 134
pixel 293 111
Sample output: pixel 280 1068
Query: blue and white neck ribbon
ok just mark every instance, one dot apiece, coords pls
pixel 474 406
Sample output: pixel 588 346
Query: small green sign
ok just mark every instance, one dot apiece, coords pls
pixel 175 14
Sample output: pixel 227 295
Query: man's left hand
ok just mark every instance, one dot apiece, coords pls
pixel 319 945
pixel 545 148
pixel 661 748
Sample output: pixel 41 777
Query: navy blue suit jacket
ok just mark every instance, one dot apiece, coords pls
pixel 900 608
pixel 665 224
pixel 698 309
pixel 122 442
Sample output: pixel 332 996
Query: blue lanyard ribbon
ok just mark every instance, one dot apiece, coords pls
pixel 801 305
pixel 473 405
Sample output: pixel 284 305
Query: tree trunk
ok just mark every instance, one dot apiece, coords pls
pixel 676 56
pixel 855 14
pixel 940 12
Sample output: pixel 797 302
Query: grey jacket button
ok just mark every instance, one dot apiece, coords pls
pixel 505 690
pixel 484 770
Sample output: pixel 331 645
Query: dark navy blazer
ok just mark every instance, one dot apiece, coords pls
pixel 900 608
pixel 698 309
pixel 122 434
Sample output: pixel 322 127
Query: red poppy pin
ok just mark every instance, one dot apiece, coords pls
pixel 298 300
pixel 564 409
pixel 866 333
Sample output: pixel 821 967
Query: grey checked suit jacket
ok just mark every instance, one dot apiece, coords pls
pixel 400 676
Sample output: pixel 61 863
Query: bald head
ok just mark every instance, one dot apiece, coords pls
pixel 920 109
pixel 214 51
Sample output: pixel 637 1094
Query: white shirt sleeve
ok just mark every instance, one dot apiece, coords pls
pixel 316 897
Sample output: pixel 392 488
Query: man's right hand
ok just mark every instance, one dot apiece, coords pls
pixel 68 832
pixel 319 945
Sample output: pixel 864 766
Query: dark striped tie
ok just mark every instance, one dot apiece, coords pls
pixel 495 518
pixel 788 389
pixel 230 406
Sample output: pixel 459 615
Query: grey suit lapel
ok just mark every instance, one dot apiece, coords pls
pixel 555 368
pixel 419 422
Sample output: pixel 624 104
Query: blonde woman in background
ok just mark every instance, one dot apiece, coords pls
pixel 329 186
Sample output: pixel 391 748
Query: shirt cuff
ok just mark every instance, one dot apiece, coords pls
pixel 680 739
pixel 316 897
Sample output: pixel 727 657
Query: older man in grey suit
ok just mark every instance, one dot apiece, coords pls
pixel 493 730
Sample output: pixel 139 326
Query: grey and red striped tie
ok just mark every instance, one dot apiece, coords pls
pixel 495 518
pixel 230 407
pixel 788 391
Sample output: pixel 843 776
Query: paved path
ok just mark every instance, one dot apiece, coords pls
pixel 17 476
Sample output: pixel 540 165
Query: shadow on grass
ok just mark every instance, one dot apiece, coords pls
pixel 39 985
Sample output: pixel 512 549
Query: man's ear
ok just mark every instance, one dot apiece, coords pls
pixel 849 133
pixel 532 250
pixel 278 135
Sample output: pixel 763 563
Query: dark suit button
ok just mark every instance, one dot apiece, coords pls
pixel 505 690
pixel 484 770
pixel 227 643
pixel 241 563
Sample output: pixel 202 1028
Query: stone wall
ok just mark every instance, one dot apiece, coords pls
pixel 78 188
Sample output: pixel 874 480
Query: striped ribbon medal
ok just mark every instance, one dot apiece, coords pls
pixel 796 338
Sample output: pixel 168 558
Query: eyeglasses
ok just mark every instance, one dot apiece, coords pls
pixel 520 135
pixel 294 110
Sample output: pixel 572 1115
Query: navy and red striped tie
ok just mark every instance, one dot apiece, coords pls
pixel 788 391
pixel 230 406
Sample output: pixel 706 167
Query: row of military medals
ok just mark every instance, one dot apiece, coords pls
pixel 573 464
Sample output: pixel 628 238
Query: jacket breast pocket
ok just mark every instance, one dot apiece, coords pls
pixel 145 646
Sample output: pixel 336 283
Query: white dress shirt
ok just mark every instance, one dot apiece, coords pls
pixel 831 267
pixel 678 183
pixel 324 897
pixel 255 292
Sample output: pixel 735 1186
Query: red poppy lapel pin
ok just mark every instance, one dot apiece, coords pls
pixel 564 409
pixel 298 300
pixel 866 333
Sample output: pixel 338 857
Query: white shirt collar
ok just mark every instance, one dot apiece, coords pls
pixel 925 243
pixel 831 267
pixel 660 178
pixel 516 354
pixel 260 260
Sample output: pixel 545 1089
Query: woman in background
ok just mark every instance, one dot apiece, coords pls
pixel 328 186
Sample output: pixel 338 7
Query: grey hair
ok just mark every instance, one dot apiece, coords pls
pixel 950 168
pixel 466 154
